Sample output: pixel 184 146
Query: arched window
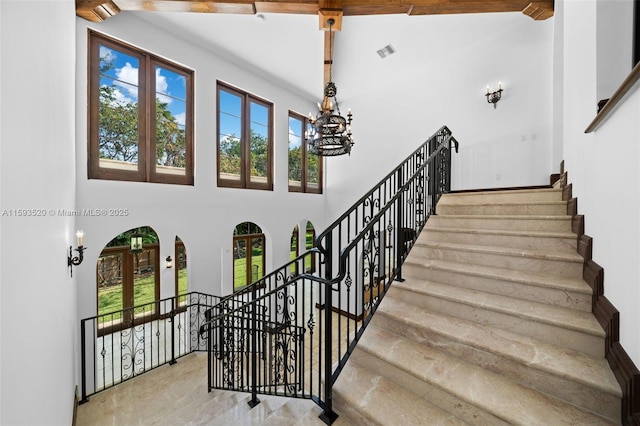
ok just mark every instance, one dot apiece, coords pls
pixel 248 254
pixel 181 271
pixel 293 248
pixel 128 278
pixel 309 238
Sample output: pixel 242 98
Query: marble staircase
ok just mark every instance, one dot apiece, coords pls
pixel 492 324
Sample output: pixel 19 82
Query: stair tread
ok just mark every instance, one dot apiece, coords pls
pixel 491 392
pixel 540 280
pixel 503 191
pixel 533 353
pixel 504 203
pixel 502 232
pixel 507 251
pixel 385 402
pixel 567 318
pixel 504 216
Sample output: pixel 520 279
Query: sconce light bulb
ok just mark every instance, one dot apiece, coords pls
pixel 80 237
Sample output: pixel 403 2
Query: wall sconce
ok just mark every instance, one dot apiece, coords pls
pixel 136 243
pixel 169 262
pixel 494 97
pixel 77 260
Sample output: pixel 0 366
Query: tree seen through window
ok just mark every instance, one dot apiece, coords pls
pixel 132 91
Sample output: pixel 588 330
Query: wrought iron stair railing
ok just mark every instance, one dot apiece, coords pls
pixel 291 332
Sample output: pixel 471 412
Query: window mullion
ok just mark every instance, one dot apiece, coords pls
pixel 246 141
pixel 150 125
pixel 303 155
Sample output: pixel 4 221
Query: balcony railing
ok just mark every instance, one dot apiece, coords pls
pixel 120 345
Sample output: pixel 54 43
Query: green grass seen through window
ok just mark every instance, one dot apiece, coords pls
pixel 110 298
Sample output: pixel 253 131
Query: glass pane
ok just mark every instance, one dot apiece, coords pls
pixel 171 113
pixel 110 289
pixel 313 171
pixel 295 151
pixel 239 263
pixel 181 264
pixel 144 281
pixel 118 110
pixel 230 135
pixel 294 243
pixel 310 235
pixel 257 265
pixel 259 143
pixel 310 260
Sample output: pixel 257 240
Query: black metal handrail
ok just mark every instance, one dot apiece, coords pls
pixel 125 343
pixel 291 332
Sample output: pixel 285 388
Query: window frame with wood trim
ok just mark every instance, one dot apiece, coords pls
pixel 129 264
pixel 149 67
pixel 245 123
pixel 252 233
pixel 302 185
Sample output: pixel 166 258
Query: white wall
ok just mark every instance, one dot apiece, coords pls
pixel 398 103
pixel 614 32
pixel 203 215
pixel 38 310
pixel 603 166
pixel 557 154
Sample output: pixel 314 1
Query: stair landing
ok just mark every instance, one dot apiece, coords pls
pixel 177 394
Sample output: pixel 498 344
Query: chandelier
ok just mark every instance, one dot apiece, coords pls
pixel 329 133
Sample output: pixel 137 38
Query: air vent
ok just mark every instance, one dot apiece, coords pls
pixel 386 51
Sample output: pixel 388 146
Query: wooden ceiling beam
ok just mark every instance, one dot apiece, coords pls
pixel 240 7
pixel 431 7
pixel 302 7
pixel 539 10
pixel 98 10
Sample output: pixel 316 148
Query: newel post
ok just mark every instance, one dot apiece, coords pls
pixel 254 348
pixel 328 415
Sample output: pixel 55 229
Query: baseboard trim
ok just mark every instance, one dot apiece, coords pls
pixel 625 371
pixel 629 378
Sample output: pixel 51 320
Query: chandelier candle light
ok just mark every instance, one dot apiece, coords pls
pixel 330 133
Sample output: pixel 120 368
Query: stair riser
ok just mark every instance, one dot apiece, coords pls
pixel 502 197
pixel 524 242
pixel 560 224
pixel 588 398
pixel 367 397
pixel 433 393
pixel 504 209
pixel 550 333
pixel 355 416
pixel 551 296
pixel 525 264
